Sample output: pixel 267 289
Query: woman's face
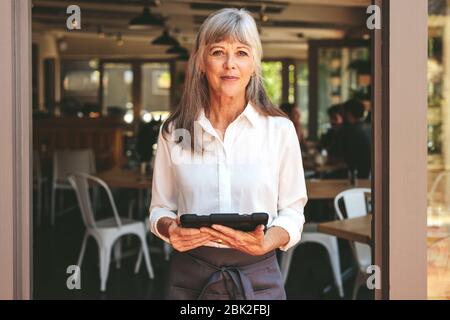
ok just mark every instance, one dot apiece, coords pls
pixel 229 66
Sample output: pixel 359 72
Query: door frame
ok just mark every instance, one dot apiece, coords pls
pixel 400 154
pixel 15 139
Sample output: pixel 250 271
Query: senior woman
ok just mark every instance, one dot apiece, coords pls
pixel 226 149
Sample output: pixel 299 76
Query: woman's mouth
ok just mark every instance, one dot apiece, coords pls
pixel 229 78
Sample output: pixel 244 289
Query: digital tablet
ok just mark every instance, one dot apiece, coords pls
pixel 235 221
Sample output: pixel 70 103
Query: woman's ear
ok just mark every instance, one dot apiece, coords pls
pixel 201 66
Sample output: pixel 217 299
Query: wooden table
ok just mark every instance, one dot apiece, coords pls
pixel 329 188
pixel 118 177
pixel 125 178
pixel 438 262
pixel 355 229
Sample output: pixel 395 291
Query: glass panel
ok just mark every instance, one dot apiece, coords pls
pixel 271 71
pixel 291 97
pixel 302 95
pixel 438 211
pixel 80 86
pixel 117 89
pixel 156 82
pixel 344 73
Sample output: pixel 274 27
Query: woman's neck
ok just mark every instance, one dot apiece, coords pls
pixel 223 110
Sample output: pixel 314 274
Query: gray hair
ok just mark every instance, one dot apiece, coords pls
pixel 229 23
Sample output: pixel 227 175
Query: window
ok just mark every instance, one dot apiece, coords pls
pixel 80 86
pixel 344 73
pixel 438 143
pixel 302 94
pixel 156 83
pixel 117 88
pixel 271 71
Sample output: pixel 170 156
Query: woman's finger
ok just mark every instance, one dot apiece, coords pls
pixel 184 239
pixel 218 235
pixel 188 231
pixel 228 231
pixel 188 245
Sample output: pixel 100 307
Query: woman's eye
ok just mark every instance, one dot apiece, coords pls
pixel 242 53
pixel 217 53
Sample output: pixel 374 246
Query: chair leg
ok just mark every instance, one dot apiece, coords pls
pixel 130 216
pixel 83 248
pixel 360 277
pixel 105 259
pixel 138 261
pixel 53 204
pixel 118 253
pixel 146 255
pixel 285 263
pixel 333 254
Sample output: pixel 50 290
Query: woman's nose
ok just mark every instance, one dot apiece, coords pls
pixel 229 62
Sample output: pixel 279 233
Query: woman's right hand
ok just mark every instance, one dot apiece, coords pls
pixel 185 239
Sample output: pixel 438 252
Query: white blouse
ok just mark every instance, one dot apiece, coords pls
pixel 256 168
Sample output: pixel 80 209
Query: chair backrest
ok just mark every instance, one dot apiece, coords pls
pixel 81 182
pixel 66 162
pixel 355 205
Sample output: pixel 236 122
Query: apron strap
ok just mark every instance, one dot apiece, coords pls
pixel 238 278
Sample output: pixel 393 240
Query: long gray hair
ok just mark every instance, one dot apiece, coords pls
pixel 230 23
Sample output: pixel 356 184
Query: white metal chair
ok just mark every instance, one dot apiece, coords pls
pixel 355 204
pixel 66 162
pixel 107 231
pixel 310 234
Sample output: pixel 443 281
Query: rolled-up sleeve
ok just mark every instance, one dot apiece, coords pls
pixel 164 188
pixel 292 196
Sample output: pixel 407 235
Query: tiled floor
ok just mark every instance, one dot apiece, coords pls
pixel 57 248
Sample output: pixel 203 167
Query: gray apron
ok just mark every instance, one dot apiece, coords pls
pixel 208 273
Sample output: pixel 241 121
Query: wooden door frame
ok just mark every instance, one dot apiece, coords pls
pixel 15 139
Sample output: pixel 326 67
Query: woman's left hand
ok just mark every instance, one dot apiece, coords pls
pixel 252 243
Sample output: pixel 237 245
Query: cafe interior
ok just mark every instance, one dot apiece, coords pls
pixel 103 84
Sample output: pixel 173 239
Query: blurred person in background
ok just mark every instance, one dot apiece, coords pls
pixel 356 139
pixel 331 141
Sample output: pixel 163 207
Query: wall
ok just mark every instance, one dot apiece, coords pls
pixel 47 44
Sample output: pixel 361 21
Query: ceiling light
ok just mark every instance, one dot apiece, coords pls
pixel 145 20
pixel 262 14
pixel 263 17
pixel 165 39
pixel 177 49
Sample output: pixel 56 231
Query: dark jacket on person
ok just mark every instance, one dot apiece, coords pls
pixel 332 142
pixel 357 148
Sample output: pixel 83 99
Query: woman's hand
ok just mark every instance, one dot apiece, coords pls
pixel 253 243
pixel 185 239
